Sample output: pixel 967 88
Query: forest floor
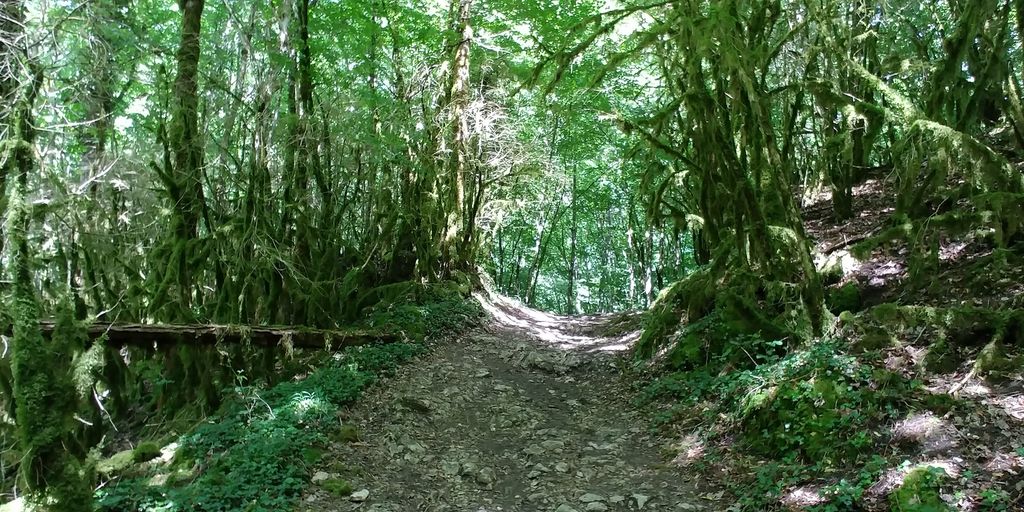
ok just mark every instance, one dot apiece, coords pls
pixel 529 412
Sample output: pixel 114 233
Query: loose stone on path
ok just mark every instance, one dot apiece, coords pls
pixel 469 426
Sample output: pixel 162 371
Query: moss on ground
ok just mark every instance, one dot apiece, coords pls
pixel 919 491
pixel 337 487
pixel 345 434
pixel 844 298
pixel 145 452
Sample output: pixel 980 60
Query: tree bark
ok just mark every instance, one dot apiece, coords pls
pixel 186 144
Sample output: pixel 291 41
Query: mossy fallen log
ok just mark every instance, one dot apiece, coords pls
pixel 167 334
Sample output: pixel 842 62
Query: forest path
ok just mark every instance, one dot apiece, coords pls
pixel 526 413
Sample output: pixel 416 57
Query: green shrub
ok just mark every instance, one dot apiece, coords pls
pixel 438 312
pixel 812 400
pixel 994 500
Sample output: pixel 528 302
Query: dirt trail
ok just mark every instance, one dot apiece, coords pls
pixel 527 413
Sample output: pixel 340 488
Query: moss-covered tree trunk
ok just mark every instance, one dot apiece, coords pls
pixel 10 32
pixel 456 240
pixel 185 183
pixel 44 397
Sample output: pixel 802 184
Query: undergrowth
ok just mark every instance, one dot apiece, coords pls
pixel 256 453
pixel 795 405
pixel 799 411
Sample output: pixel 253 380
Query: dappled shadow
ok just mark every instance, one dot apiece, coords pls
pixel 611 332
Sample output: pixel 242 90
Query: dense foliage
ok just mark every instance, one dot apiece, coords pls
pixel 318 162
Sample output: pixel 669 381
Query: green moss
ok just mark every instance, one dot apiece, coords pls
pixel 145 451
pixel 312 454
pixel 847 318
pixel 116 463
pixel 940 403
pixel 992 359
pixel 844 298
pixel 337 487
pixel 884 378
pixel 44 392
pixel 920 491
pixel 661 320
pixel 875 339
pixel 831 273
pixel 887 313
pixel 941 357
pixel 345 434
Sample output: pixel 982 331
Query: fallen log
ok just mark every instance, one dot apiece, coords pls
pixel 164 334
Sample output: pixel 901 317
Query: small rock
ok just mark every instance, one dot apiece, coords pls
pixel 641 500
pixel 534 449
pixel 320 476
pixel 591 497
pixel 616 499
pixel 482 373
pixel 562 467
pixel 415 404
pixel 468 468
pixel 596 506
pixel 450 467
pixel 565 508
pixel 486 476
pixel 533 474
pixel 537 496
pixel 502 387
pixel 552 444
pixel 359 496
pixel 542 468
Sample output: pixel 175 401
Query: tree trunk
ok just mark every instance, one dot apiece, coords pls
pixel 570 295
pixel 186 188
pixel 453 252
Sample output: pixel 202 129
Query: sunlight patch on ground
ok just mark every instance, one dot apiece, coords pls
pixel 690 448
pixel 846 261
pixel 932 433
pixel 975 390
pixel 565 332
pixel 1012 405
pixel 803 497
pixel 1005 462
pixel 893 478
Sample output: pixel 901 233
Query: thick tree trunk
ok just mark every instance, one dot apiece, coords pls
pixel 186 145
pixel 453 251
